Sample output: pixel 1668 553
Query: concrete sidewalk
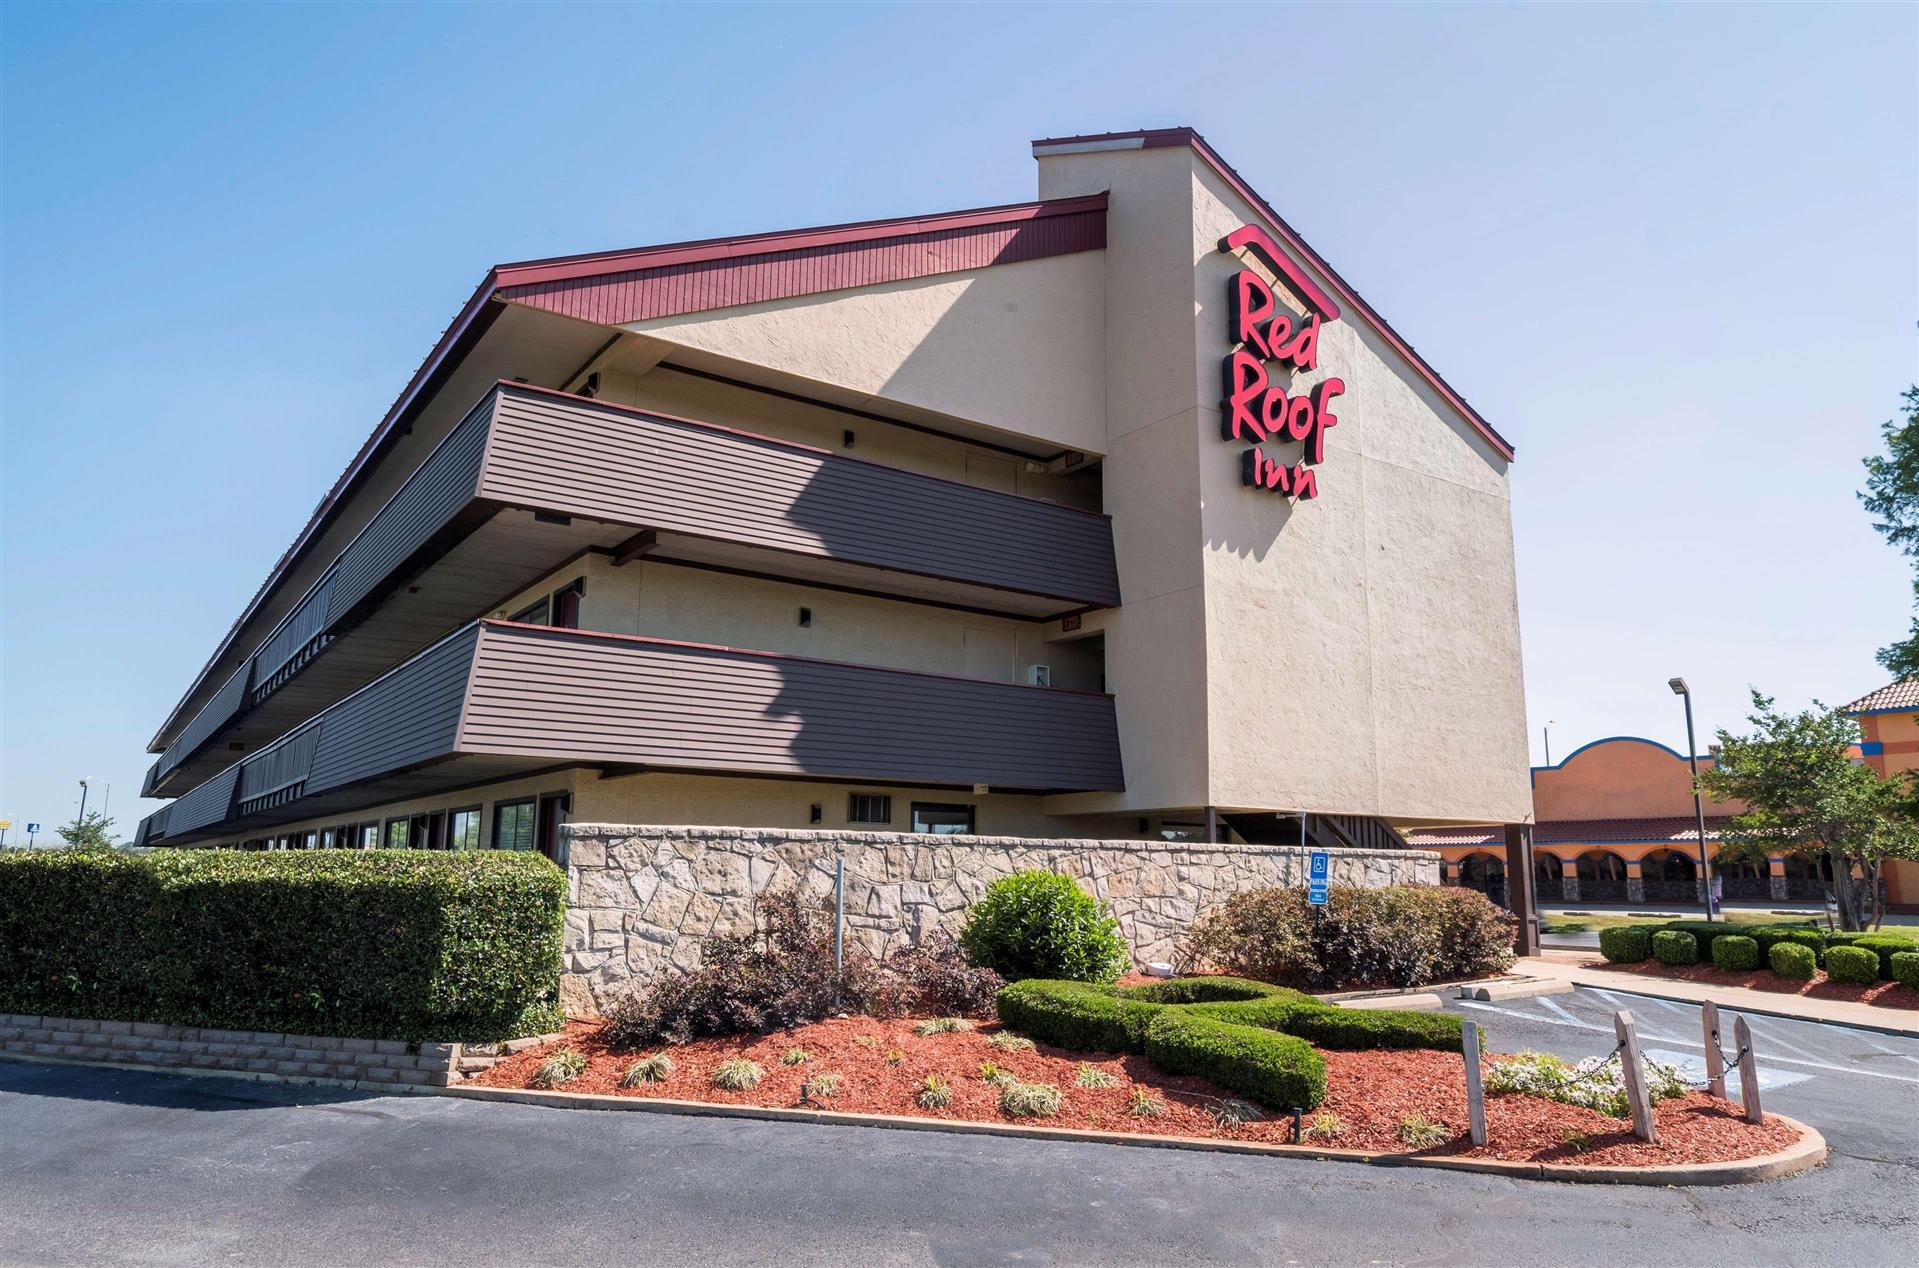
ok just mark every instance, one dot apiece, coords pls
pixel 1572 967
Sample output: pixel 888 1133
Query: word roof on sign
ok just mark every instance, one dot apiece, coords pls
pixel 1256 408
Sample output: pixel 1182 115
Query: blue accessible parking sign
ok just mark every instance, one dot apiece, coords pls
pixel 1318 870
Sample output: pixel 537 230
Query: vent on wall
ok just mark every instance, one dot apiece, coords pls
pixel 1039 675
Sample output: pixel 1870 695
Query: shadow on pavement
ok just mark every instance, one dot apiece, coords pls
pixel 162 1091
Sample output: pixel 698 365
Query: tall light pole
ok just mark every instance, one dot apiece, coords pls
pixel 86 782
pixel 1547 732
pixel 1679 688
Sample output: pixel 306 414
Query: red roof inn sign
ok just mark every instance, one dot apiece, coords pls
pixel 1256 408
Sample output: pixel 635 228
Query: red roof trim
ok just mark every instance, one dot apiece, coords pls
pixel 1156 138
pixel 570 267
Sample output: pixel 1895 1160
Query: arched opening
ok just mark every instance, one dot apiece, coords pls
pixel 1602 877
pixel 1670 876
pixel 1808 876
pixel 1742 878
pixel 1549 882
pixel 1485 873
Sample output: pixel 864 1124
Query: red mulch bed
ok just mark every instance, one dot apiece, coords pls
pixel 1370 1091
pixel 1879 994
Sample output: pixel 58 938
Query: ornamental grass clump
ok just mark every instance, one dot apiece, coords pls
pixel 794 1056
pixel 1421 1132
pixel 1029 1100
pixel 825 1083
pixel 561 1068
pixel 1145 1104
pixel 648 1069
pixel 1229 1112
pixel 737 1074
pixel 1041 924
pixel 941 1026
pixel 935 1093
pixel 1093 1077
pixel 1007 1041
pixel 1597 1083
pixel 1325 1126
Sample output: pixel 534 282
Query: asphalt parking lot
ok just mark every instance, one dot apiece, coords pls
pixel 122 1167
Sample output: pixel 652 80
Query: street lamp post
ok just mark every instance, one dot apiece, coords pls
pixel 1547 732
pixel 85 784
pixel 1680 689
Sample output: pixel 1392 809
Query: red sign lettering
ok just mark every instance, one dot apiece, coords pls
pixel 1255 409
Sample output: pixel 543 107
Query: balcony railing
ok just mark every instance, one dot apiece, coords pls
pixel 496 699
pixel 598 475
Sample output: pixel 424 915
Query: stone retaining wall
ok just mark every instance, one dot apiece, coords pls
pixel 647 896
pixel 308 1057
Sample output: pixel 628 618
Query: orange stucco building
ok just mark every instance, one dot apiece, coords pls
pixel 1889 719
pixel 1615 823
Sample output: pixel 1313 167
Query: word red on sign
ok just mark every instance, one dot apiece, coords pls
pixel 1256 409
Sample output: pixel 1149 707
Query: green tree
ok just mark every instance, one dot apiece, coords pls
pixel 92 832
pixel 1805 794
pixel 1891 495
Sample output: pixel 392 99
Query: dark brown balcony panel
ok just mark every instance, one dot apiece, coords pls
pixel 563 695
pixel 495 700
pixel 530 479
pixel 756 495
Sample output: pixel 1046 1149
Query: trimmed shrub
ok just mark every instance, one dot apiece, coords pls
pixel 1399 935
pixel 1885 946
pixel 1627 944
pixel 1734 953
pixel 942 980
pixel 1856 965
pixel 380 944
pixel 1670 946
pixel 1077 1015
pixel 1793 961
pixel 1704 932
pixel 1361 1029
pixel 1770 936
pixel 1276 1070
pixel 1905 969
pixel 1042 924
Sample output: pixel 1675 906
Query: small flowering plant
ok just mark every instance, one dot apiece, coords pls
pixel 1597 1083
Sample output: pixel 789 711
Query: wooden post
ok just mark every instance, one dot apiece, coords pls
pixel 1748 1072
pixel 1633 1067
pixel 1715 1056
pixel 1475 1090
pixel 1520 895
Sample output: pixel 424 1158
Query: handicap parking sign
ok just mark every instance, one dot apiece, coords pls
pixel 1318 868
pixel 32 828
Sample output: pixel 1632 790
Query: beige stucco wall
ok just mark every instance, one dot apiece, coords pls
pixel 1014 346
pixel 1357 653
pixel 662 600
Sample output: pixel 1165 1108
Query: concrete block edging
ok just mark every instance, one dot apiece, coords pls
pixel 1809 1152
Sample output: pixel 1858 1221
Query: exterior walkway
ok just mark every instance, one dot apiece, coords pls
pixel 1572 967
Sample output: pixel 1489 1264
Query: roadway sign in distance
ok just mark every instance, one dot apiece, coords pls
pixel 1319 868
pixel 32 828
pixel 5 824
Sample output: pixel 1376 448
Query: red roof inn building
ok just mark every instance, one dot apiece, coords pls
pixel 1112 514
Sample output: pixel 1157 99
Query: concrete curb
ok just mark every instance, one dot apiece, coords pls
pixel 244 1076
pixel 1734 1005
pixel 1809 1152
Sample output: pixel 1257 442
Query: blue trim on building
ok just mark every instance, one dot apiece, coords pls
pixel 1871 748
pixel 1867 713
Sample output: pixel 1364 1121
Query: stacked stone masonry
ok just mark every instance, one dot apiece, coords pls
pixel 308 1057
pixel 647 897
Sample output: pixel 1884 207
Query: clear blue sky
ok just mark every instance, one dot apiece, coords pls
pixel 1670 252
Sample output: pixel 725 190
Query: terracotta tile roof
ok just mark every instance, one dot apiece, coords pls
pixel 1678 830
pixel 1898 695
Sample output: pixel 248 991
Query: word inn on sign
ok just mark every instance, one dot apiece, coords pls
pixel 1256 409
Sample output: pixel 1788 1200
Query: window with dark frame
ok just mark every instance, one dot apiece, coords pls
pixel 869 808
pixel 370 836
pixel 513 825
pixel 534 613
pixel 399 833
pixel 942 818
pixel 464 832
pixel 561 609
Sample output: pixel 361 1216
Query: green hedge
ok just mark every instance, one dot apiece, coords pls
pixel 1626 944
pixel 1884 945
pixel 1675 946
pixel 1042 924
pixel 1735 953
pixel 1856 965
pixel 1214 1016
pixel 1276 1070
pixel 1793 961
pixel 1905 969
pixel 1770 936
pixel 386 944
